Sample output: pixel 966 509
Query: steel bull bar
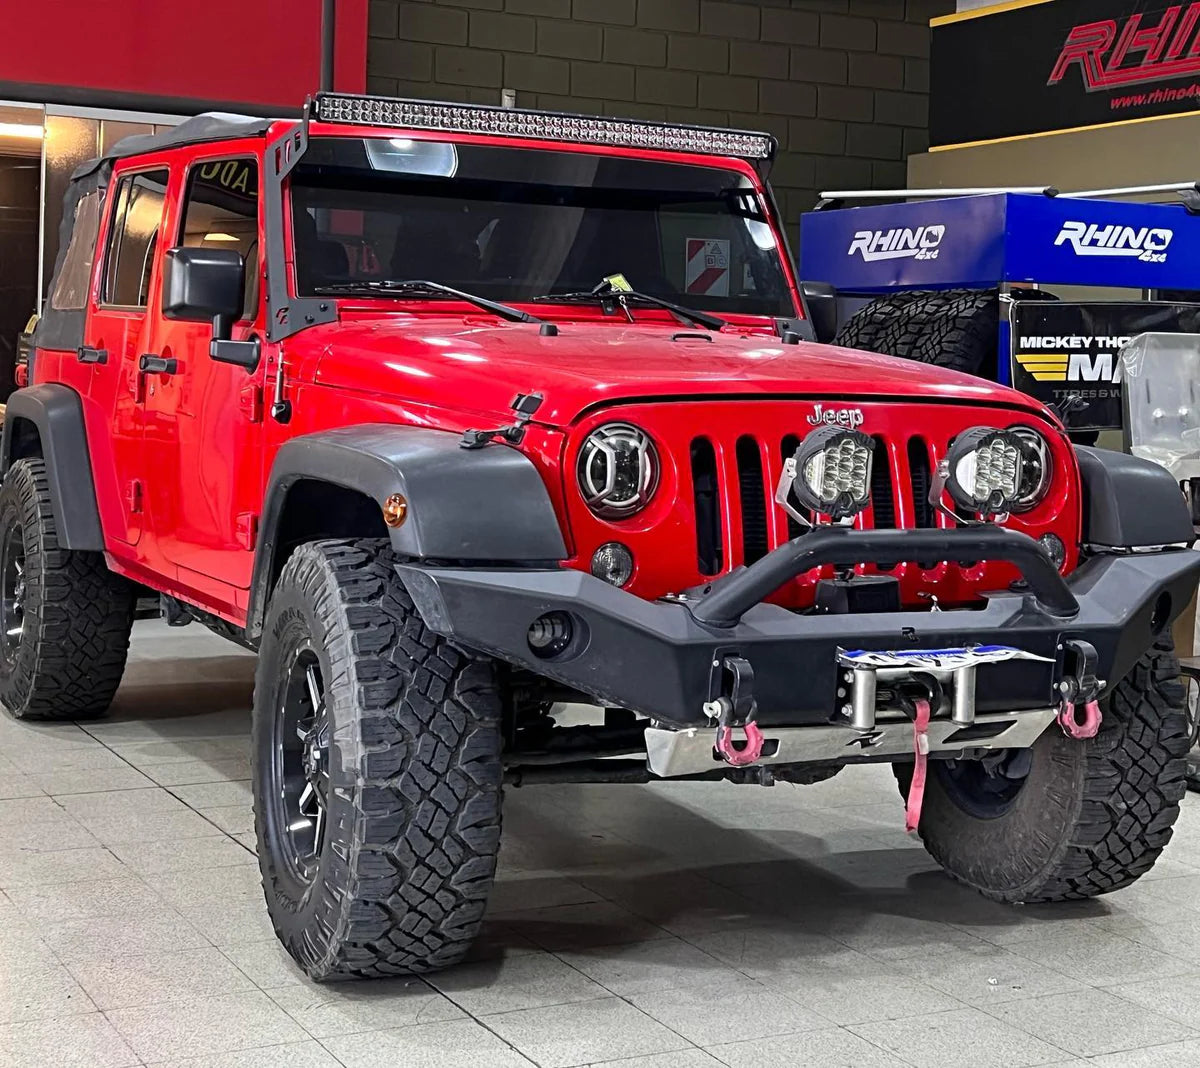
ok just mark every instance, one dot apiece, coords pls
pixel 672 659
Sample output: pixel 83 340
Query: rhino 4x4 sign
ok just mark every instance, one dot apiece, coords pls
pixel 1038 67
pixel 1073 350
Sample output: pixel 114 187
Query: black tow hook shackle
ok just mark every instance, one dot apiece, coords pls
pixel 1080 688
pixel 735 707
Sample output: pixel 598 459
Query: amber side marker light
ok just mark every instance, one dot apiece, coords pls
pixel 395 510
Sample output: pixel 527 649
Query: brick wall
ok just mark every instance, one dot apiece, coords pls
pixel 841 83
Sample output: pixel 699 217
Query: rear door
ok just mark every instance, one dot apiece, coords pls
pixel 115 339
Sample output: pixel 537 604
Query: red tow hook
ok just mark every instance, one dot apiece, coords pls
pixel 734 708
pixel 751 750
pixel 1082 688
pixel 1073 726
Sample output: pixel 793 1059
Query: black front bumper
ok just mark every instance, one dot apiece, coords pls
pixel 662 658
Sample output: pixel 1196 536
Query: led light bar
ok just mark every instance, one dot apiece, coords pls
pixel 540 125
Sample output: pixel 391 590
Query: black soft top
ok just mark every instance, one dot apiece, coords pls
pixel 61 325
pixel 211 126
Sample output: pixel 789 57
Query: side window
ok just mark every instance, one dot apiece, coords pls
pixel 221 211
pixel 71 290
pixel 137 216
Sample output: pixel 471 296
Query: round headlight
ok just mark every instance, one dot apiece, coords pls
pixel 1036 468
pixel 833 472
pixel 618 470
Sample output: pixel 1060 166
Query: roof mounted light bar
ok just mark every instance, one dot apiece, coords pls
pixel 539 125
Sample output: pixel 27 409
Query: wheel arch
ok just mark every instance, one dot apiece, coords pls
pixel 46 421
pixel 464 505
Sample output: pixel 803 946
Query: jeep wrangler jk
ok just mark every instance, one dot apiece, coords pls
pixel 458 414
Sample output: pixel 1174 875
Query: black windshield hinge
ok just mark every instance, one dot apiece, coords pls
pixel 524 405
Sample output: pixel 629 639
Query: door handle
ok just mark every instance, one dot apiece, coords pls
pixel 87 354
pixel 149 364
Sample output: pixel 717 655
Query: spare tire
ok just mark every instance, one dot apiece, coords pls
pixel 956 328
pixel 864 329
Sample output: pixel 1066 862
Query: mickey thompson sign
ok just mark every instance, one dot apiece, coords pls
pixel 1063 64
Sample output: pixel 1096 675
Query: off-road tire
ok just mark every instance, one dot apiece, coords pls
pixel 414 818
pixel 1092 817
pixel 78 614
pixel 957 329
pixel 870 329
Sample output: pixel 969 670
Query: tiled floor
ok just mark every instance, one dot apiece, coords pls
pixel 675 926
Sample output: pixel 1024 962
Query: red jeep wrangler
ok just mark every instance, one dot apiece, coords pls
pixel 457 414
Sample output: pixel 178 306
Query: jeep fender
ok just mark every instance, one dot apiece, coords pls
pixel 464 505
pixel 1130 503
pixel 55 413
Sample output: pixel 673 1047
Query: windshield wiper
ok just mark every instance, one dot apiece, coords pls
pixel 417 286
pixel 606 291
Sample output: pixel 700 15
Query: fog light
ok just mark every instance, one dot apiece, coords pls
pixel 982 471
pixel 613 563
pixel 830 474
pixel 550 635
pixel 1055 549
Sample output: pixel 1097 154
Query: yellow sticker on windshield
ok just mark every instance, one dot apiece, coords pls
pixel 619 282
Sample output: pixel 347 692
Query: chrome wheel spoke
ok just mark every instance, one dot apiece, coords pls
pixel 314 688
pixel 308 801
pixel 304 733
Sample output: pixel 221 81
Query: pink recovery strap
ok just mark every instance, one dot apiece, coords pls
pixel 916 791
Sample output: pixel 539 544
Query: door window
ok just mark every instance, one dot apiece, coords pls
pixel 133 237
pixel 221 211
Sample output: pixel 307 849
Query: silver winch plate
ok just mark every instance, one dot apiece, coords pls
pixel 671 753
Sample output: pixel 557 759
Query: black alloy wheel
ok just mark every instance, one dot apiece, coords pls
pixel 300 769
pixel 12 587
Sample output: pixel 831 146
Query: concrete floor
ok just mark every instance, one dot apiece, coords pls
pixel 674 926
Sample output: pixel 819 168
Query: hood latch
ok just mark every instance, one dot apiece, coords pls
pixel 524 405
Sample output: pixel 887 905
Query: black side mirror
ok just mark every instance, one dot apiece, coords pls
pixel 820 305
pixel 209 283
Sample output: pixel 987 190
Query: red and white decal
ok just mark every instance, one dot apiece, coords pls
pixel 707 272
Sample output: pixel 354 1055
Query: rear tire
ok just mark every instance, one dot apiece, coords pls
pixel 65 618
pixel 1091 816
pixel 397 732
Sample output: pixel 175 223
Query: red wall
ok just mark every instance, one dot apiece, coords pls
pixel 261 52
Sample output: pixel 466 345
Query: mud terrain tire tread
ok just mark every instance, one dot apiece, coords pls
pixel 1125 798
pixel 956 328
pixel 404 887
pixel 80 611
pixel 865 327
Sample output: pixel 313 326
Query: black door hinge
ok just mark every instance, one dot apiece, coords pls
pixel 524 405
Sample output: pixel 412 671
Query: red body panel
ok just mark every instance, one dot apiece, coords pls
pixel 181 462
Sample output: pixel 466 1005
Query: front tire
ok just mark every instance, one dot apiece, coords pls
pixel 65 618
pixel 1088 818
pixel 376 771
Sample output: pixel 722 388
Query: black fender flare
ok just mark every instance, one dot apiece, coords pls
pixel 57 413
pixel 1130 503
pixel 484 505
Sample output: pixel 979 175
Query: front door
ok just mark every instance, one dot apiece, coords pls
pixel 116 335
pixel 205 418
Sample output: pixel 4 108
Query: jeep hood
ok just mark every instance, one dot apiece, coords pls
pixel 477 366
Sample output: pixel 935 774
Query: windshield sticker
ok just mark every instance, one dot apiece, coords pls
pixel 707 269
pixel 618 283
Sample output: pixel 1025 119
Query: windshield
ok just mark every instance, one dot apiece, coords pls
pixel 513 224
